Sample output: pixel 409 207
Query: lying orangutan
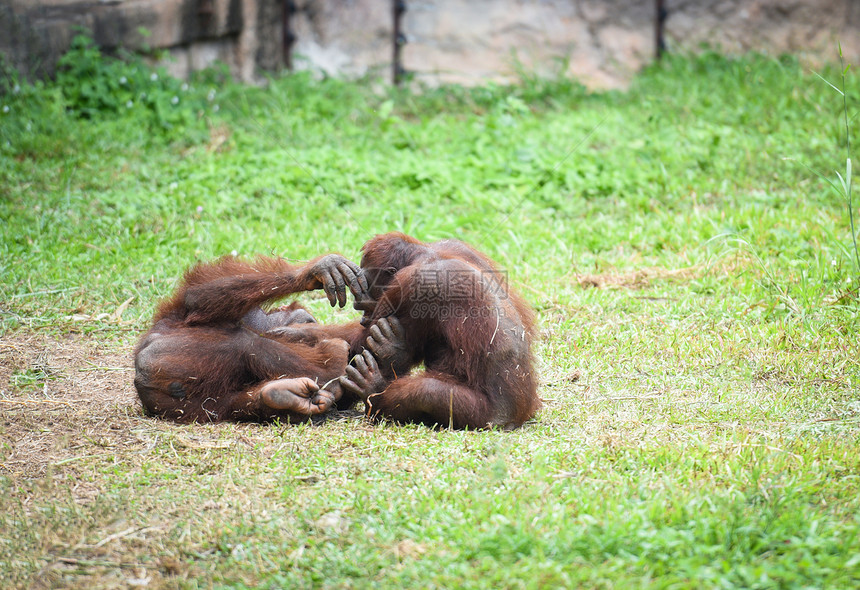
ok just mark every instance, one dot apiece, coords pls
pixel 213 354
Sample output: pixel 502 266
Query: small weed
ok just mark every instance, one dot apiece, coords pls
pixel 30 377
pixel 95 85
pixel 845 182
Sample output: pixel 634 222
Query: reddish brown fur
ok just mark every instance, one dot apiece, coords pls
pixel 211 349
pixel 475 345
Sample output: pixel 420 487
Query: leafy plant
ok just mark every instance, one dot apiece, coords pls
pixel 94 84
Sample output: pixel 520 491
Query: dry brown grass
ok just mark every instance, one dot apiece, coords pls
pixel 72 429
pixel 636 279
pixel 61 399
pixel 64 402
pixel 729 266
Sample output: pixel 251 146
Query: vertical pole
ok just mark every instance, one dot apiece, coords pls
pixel 659 25
pixel 398 73
pixel 288 37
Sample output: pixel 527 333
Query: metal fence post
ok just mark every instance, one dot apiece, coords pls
pixel 398 72
pixel 289 37
pixel 659 25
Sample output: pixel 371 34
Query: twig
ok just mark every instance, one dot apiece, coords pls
pixel 72 459
pixel 329 382
pixel 99 563
pixel 47 292
pixel 617 399
pixel 41 401
pixel 564 381
pixel 121 534
pixel 95 367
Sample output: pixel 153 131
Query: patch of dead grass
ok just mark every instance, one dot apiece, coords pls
pixel 78 402
pixel 81 406
pixel 65 425
pixel 636 279
pixel 644 277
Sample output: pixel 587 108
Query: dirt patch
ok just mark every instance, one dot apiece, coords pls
pixel 63 399
pixel 74 450
pixel 637 279
pixel 69 400
pixel 730 264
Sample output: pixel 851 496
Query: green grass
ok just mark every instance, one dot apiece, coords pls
pixel 701 424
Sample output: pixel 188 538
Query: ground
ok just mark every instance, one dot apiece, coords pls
pixel 689 249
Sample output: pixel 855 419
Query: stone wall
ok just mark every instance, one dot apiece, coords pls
pixel 34 33
pixel 601 42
